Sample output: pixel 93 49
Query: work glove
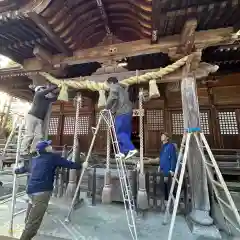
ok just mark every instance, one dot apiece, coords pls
pixel 18 166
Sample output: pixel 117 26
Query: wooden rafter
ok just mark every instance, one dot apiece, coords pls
pixel 44 26
pixel 119 51
pixel 104 16
pixel 157 18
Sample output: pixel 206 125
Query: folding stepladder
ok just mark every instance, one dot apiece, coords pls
pixel 210 166
pixel 14 191
pixel 128 199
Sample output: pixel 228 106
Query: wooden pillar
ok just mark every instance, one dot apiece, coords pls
pixel 197 173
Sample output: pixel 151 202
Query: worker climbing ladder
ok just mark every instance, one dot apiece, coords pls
pixel 210 166
pixel 106 115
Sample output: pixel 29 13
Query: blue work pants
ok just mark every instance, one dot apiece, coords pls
pixel 123 126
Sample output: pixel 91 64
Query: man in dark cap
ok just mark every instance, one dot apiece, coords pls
pixel 120 105
pixel 40 185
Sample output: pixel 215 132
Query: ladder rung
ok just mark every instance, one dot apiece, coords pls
pixel 173 198
pixel 217 183
pixel 232 223
pixel 224 203
pixel 176 180
pixel 209 164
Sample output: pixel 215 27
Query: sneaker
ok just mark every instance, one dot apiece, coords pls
pixel 120 155
pixel 131 153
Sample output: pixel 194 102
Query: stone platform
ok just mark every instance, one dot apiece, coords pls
pixel 100 222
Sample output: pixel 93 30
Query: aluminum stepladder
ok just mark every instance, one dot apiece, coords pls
pixel 210 166
pixel 106 115
pixel 15 178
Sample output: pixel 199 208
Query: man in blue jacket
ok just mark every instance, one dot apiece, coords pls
pixel 40 185
pixel 168 159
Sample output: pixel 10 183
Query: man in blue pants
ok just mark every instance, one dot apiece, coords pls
pixel 120 105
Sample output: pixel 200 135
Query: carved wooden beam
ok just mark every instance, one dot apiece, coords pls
pixel 187 37
pixel 119 51
pixel 45 27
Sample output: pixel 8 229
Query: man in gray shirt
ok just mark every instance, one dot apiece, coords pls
pixel 120 105
pixel 43 97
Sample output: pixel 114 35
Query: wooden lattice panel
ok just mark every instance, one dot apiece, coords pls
pixel 69 124
pixel 177 123
pixel 83 125
pixel 53 126
pixel 228 123
pixel 155 121
pixel 204 121
pixel 103 125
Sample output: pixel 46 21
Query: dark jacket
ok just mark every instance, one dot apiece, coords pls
pixel 118 100
pixel 43 170
pixel 40 104
pixel 168 158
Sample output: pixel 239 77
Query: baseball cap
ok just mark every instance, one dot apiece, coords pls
pixel 43 144
pixel 38 88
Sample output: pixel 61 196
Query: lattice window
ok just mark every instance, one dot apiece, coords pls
pixel 228 123
pixel 83 125
pixel 69 124
pixel 204 121
pixel 53 126
pixel 177 123
pixel 103 125
pixel 155 121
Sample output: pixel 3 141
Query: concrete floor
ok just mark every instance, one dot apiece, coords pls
pixel 100 222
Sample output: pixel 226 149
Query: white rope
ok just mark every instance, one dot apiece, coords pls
pixel 141 130
pixel 75 138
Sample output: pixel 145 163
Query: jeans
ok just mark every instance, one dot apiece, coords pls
pixel 123 126
pixel 33 133
pixel 36 209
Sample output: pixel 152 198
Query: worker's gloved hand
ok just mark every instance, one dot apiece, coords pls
pixel 171 173
pixel 16 168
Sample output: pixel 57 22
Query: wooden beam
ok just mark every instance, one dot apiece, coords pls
pixel 45 27
pixel 187 37
pixel 202 71
pixel 119 51
pixel 42 54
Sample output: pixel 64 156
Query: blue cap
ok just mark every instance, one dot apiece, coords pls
pixel 43 144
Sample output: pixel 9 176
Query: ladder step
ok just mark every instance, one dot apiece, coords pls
pixel 210 164
pixel 217 183
pixel 176 180
pixel 224 203
pixel 173 198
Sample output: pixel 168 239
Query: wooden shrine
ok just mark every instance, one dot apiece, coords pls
pixel 82 43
